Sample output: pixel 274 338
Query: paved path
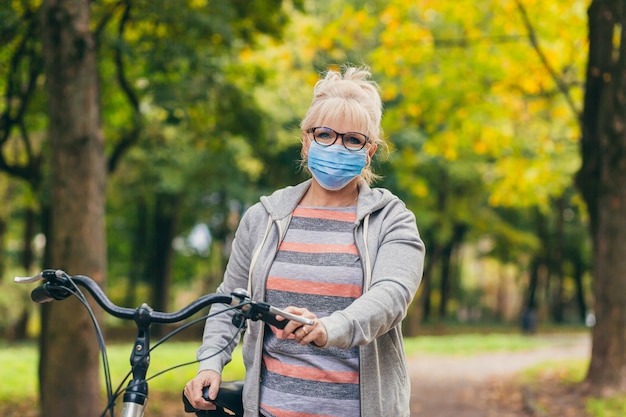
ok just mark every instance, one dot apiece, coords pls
pixel 446 386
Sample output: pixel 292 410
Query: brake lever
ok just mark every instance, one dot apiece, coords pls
pixel 45 275
pixel 28 280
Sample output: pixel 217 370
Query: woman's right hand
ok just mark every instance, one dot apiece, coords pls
pixel 193 389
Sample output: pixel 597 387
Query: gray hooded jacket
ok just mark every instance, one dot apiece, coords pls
pixel 392 254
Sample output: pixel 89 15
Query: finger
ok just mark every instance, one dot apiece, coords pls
pixel 307 334
pixel 297 336
pixel 213 382
pixel 318 336
pixel 292 326
pixel 315 334
pixel 213 389
pixel 193 391
pixel 195 387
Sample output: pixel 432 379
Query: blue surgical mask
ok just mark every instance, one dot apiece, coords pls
pixel 334 166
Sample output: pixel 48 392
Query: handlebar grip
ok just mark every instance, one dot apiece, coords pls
pixel 229 396
pixel 41 295
pixel 268 313
pixel 229 401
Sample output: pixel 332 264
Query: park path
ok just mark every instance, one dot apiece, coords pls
pixel 444 386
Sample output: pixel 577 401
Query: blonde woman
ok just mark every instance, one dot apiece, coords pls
pixel 332 249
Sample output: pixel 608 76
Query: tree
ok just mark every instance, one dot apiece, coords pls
pixel 469 139
pixel 76 240
pixel 181 54
pixel 602 182
pixel 178 71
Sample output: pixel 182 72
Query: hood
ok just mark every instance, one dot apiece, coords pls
pixel 281 203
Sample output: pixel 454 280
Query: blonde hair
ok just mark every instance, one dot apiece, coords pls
pixel 350 96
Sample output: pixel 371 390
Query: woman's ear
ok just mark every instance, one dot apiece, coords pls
pixel 372 150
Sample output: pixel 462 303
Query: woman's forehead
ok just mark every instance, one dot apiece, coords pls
pixel 343 123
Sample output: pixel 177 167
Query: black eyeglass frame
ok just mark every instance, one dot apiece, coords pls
pixel 337 135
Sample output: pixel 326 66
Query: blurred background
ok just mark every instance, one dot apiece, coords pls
pixel 135 133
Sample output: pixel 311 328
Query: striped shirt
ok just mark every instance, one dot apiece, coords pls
pixel 317 267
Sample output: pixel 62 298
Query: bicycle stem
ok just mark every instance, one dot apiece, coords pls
pixel 136 394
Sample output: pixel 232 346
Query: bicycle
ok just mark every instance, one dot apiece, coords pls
pixel 58 285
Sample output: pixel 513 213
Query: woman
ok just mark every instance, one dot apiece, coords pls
pixel 334 250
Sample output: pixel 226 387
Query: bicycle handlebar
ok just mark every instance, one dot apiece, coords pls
pixel 57 286
pixel 57 283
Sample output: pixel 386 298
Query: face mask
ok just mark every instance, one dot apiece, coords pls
pixel 334 166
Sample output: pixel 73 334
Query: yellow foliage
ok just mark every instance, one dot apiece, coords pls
pixel 465 74
pixel 312 78
pixel 533 85
pixel 18 5
pixel 360 18
pixel 413 110
pixel 246 54
pixel 444 144
pixel 480 147
pixel 325 44
pixel 197 4
pixel 390 16
pixel 419 189
pixel 390 92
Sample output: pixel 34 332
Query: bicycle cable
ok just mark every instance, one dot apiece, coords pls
pixel 232 339
pixel 76 292
pixel 121 388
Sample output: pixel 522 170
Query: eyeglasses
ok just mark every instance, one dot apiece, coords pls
pixel 352 141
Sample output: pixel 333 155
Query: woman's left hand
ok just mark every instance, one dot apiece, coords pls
pixel 305 334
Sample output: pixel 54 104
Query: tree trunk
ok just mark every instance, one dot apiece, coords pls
pixel 445 284
pixel 529 311
pixel 425 296
pixel 69 361
pixel 165 228
pixel 448 267
pixel 137 271
pixel 602 181
pixel 20 328
pixel 533 284
pixel 578 273
pixel 3 229
pixel 556 261
pixel 28 255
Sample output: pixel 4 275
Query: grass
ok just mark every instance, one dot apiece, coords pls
pixel 572 372
pixel 19 367
pixel 167 356
pixel 18 364
pixel 475 343
pixel 611 407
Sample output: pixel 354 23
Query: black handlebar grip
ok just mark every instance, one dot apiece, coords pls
pixel 270 318
pixel 229 401
pixel 229 396
pixel 41 295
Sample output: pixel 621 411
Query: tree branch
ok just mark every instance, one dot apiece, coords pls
pixel 466 41
pixel 119 62
pixel 534 41
pixel 131 137
pixel 106 18
pixel 14 113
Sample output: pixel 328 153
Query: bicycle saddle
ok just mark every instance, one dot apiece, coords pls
pixel 229 401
